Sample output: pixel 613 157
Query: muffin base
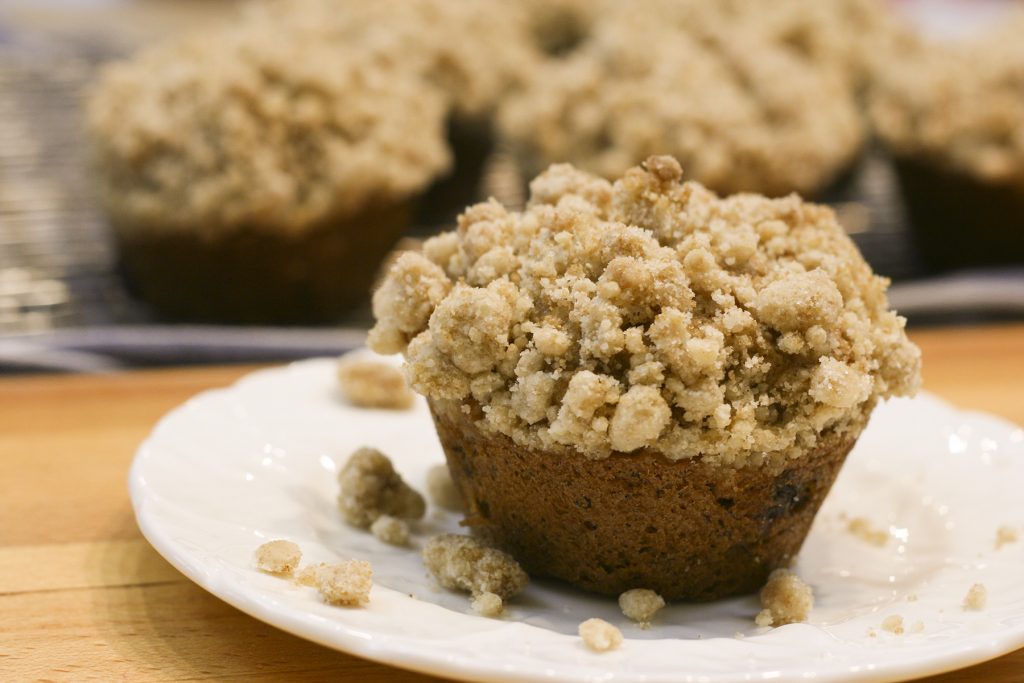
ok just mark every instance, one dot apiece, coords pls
pixel 252 276
pixel 958 220
pixel 687 529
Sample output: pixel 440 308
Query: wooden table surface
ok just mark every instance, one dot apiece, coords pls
pixel 84 597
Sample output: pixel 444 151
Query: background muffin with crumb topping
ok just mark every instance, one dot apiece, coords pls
pixel 255 175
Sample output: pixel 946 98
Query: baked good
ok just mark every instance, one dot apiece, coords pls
pixel 471 51
pixel 740 115
pixel 641 384
pixel 951 115
pixel 257 174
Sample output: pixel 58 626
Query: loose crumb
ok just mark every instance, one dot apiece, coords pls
pixel 917 627
pixel 346 583
pixel 488 605
pixel 370 487
pixel 373 384
pixel 865 531
pixel 640 605
pixel 976 597
pixel 599 635
pixel 893 624
pixel 308 575
pixel 278 557
pixel 786 599
pixel 1004 535
pixel 441 489
pixel 463 563
pixel 872 633
pixel 390 530
pixel 912 597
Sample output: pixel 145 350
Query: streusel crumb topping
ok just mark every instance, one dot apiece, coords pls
pixel 648 313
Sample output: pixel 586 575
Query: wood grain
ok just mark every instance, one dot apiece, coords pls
pixel 84 598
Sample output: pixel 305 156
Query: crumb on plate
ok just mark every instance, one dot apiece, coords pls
pixel 640 605
pixel 370 487
pixel 893 624
pixel 346 583
pixel 976 597
pixel 390 530
pixel 488 604
pixel 786 599
pixel 278 557
pixel 865 531
pixel 373 384
pixel 1004 535
pixel 599 635
pixel 917 627
pixel 463 563
pixel 441 489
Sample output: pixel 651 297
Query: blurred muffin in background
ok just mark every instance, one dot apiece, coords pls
pixel 850 38
pixel 740 115
pixel 256 174
pixel 472 51
pixel 952 115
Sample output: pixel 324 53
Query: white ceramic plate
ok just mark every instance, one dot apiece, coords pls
pixel 235 467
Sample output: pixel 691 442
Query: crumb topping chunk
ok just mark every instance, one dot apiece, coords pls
pixel 649 313
pixel 464 563
pixel 370 488
pixel 785 599
pixel 373 384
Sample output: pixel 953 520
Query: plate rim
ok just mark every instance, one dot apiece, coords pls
pixel 343 638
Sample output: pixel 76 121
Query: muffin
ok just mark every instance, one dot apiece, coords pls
pixel 953 118
pixel 641 384
pixel 256 174
pixel 743 115
pixel 471 51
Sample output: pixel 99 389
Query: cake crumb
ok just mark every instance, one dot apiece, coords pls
pixel 463 563
pixel 308 575
pixel 441 489
pixel 976 597
pixel 1004 535
pixel 865 531
pixel 640 605
pixel 872 633
pixel 370 487
pixel 278 557
pixel 917 627
pixel 390 530
pixel 893 624
pixel 488 604
pixel 373 384
pixel 599 635
pixel 912 597
pixel 786 599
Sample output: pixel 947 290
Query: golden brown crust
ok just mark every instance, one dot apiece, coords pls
pixel 687 529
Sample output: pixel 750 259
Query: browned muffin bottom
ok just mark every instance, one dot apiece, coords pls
pixel 688 530
pixel 258 276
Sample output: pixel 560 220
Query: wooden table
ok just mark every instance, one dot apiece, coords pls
pixel 84 597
